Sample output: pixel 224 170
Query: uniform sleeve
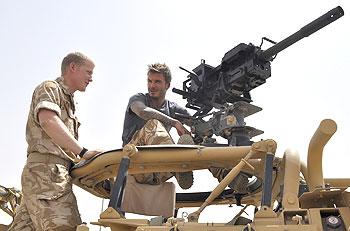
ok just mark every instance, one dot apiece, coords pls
pixel 47 96
pixel 137 97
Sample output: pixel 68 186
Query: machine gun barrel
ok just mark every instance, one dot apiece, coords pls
pixel 307 30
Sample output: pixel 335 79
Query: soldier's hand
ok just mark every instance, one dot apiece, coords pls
pixel 91 153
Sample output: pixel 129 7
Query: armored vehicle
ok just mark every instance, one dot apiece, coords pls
pixel 286 193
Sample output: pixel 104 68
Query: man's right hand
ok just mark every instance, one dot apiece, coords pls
pixel 181 130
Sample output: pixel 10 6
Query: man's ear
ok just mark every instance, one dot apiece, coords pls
pixel 72 67
pixel 167 85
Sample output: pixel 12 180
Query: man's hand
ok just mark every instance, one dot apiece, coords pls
pixel 59 133
pixel 181 130
pixel 90 154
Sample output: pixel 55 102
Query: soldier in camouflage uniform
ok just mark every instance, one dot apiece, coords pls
pixel 52 132
pixel 148 119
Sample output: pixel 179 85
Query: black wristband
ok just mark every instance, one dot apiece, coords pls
pixel 81 154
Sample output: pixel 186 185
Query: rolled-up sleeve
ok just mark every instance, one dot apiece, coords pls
pixel 46 96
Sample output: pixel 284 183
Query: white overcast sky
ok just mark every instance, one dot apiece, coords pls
pixel 309 80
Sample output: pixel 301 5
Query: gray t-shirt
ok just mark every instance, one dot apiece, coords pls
pixel 132 122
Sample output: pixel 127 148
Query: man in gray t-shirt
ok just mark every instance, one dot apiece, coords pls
pixel 148 119
pixel 133 122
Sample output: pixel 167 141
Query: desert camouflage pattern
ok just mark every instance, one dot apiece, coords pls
pixel 52 95
pixel 153 132
pixel 48 201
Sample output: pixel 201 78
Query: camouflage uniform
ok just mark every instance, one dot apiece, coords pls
pixel 153 132
pixel 48 201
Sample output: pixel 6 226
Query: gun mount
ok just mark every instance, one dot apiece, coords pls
pixel 227 87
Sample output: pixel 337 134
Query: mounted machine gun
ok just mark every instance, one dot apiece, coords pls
pixel 227 87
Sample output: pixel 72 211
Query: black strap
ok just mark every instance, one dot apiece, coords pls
pixel 81 154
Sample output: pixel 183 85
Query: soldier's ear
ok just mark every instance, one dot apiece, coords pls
pixel 72 67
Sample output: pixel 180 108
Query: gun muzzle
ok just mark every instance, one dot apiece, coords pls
pixel 307 30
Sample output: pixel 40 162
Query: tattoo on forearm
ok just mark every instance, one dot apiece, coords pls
pixel 150 113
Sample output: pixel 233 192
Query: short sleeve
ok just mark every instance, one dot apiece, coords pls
pixel 47 96
pixel 137 97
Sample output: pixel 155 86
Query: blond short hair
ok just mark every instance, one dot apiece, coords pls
pixel 74 57
pixel 160 68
